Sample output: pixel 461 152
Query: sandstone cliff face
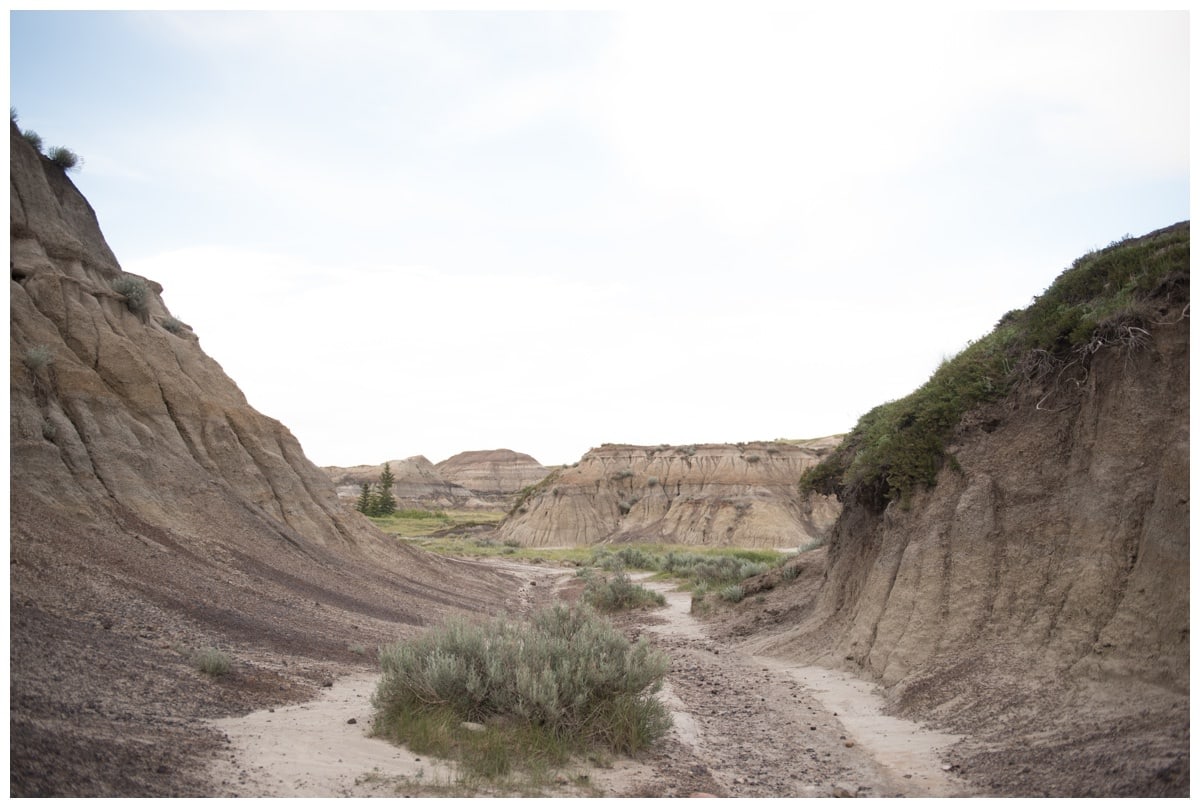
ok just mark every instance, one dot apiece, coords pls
pixel 153 509
pixel 742 495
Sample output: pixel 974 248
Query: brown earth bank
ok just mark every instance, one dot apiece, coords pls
pixel 1037 595
pixel 739 495
pixel 155 513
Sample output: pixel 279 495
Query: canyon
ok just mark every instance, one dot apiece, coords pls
pixel 1029 595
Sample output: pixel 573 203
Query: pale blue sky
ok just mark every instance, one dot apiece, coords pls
pixel 422 233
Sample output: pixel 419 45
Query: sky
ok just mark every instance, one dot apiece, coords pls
pixel 427 232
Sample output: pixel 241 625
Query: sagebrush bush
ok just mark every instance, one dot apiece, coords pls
pixel 212 661
pixel 172 325
pixel 618 593
pixel 564 682
pixel 135 292
pixel 625 558
pixel 37 357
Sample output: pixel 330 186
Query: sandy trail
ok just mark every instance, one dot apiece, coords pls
pixel 743 726
pixel 311 749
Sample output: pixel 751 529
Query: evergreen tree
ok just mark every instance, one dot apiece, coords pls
pixel 385 502
pixel 364 499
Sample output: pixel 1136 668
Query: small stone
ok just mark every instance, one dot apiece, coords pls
pixel 849 744
pixel 352 721
pixel 327 683
pixel 471 726
pixel 844 790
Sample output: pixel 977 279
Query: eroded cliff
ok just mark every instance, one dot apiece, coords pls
pixel 153 512
pixel 1036 593
pixel 741 495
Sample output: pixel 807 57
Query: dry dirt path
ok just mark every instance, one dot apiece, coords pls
pixel 744 726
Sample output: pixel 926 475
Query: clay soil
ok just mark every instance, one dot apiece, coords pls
pixel 290 723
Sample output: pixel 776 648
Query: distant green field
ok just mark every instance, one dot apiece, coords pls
pixel 662 558
pixel 414 523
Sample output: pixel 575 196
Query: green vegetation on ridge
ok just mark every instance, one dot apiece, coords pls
pixel 1102 300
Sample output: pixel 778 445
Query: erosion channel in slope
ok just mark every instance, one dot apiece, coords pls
pixel 744 726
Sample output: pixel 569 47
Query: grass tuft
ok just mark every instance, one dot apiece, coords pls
pixel 212 661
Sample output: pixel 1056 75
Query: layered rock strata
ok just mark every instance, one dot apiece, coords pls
pixel 154 511
pixel 484 480
pixel 741 495
pixel 497 474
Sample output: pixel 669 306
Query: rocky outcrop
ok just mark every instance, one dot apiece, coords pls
pixel 716 494
pixel 497 474
pixel 469 480
pixel 153 510
pixel 1044 574
pixel 418 484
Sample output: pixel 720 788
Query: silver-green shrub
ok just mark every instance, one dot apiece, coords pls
pixel 212 661
pixel 134 290
pixel 565 681
pixel 37 357
pixel 619 593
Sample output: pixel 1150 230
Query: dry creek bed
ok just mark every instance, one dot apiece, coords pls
pixel 744 726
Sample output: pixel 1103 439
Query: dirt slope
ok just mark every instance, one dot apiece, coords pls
pixel 154 512
pixel 1038 594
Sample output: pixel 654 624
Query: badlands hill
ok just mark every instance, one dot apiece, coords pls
pixel 1013 559
pixel 153 513
pixel 482 479
pixel 742 495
